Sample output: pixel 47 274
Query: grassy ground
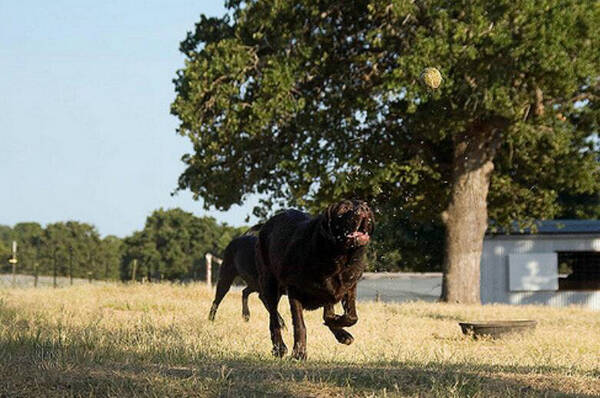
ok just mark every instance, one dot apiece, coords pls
pixel 154 340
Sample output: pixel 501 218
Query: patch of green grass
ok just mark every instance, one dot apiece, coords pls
pixel 155 340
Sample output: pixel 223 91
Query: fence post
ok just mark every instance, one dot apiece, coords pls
pixel 13 261
pixel 54 271
pixel 208 258
pixel 71 265
pixel 90 276
pixel 35 274
pixel 133 269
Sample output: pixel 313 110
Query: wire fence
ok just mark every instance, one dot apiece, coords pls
pixel 386 287
pixel 25 281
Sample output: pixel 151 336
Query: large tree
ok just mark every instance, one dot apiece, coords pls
pixel 309 101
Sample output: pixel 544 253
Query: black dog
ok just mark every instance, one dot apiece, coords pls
pixel 239 260
pixel 318 262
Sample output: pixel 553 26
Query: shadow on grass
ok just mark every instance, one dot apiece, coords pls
pixel 33 371
pixel 31 365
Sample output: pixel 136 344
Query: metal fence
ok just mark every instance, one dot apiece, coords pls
pixel 24 281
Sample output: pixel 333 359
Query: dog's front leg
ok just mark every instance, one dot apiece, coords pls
pixel 336 323
pixel 349 317
pixel 296 309
pixel 349 304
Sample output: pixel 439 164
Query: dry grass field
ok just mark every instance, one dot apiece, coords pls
pixel 154 340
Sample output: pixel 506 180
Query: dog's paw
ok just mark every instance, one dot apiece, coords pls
pixel 342 336
pixel 279 350
pixel 213 312
pixel 339 321
pixel 299 355
pixel 333 321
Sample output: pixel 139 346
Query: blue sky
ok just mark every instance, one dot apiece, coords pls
pixel 85 90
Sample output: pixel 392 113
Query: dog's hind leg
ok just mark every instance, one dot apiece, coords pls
pixel 245 310
pixel 227 274
pixel 279 318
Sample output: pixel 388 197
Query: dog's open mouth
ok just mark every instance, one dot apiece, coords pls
pixel 358 237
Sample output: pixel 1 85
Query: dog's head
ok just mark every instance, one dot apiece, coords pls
pixel 350 223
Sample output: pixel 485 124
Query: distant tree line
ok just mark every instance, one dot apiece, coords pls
pixel 173 243
pixel 171 246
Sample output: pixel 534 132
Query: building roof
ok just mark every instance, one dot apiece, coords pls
pixel 552 227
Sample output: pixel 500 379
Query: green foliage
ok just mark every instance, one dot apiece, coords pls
pixel 5 233
pixel 29 237
pixel 306 102
pixel 69 248
pixel 107 262
pixel 580 206
pixel 4 256
pixel 402 244
pixel 172 246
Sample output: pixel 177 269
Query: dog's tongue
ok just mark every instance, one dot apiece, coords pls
pixel 360 238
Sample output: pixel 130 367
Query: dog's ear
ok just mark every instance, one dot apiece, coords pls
pixel 328 215
pixel 372 222
pixel 365 208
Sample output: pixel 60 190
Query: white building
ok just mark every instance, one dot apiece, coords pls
pixel 523 268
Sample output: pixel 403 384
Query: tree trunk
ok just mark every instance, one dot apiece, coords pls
pixel 465 218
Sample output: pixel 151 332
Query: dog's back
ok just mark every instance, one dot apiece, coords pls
pixel 240 253
pixel 276 237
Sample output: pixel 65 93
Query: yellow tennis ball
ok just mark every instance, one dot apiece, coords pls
pixel 431 77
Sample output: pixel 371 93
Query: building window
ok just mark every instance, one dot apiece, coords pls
pixel 579 270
